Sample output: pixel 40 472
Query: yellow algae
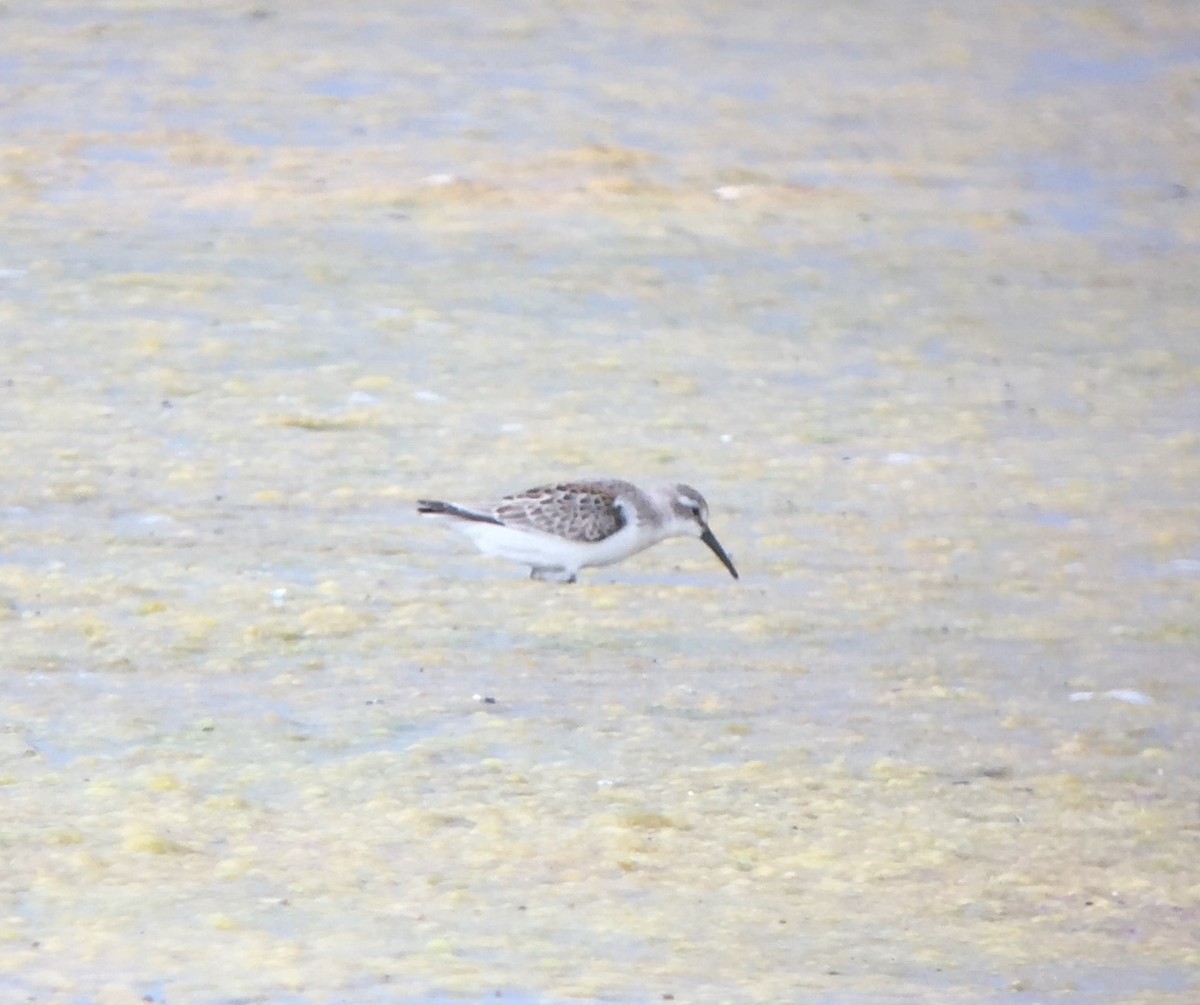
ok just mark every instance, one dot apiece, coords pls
pixel 182 474
pixel 892 772
pixel 297 690
pixel 73 492
pixel 354 419
pixel 759 624
pixel 196 631
pixel 331 620
pixel 148 842
pixel 374 382
pixel 227 804
pixel 164 783
pixel 94 630
pixel 150 345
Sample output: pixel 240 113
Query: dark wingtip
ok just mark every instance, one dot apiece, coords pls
pixel 439 508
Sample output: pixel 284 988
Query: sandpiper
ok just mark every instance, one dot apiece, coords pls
pixel 560 529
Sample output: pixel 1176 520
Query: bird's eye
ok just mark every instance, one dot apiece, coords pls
pixel 695 511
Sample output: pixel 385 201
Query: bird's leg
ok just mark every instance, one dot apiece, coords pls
pixel 551 574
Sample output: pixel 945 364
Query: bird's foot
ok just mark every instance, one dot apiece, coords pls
pixel 551 574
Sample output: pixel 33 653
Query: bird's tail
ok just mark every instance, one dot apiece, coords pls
pixel 436 507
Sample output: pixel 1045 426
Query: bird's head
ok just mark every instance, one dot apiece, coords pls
pixel 689 514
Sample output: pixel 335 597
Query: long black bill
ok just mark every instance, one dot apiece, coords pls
pixel 709 538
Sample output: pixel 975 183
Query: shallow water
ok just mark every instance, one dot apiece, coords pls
pixel 909 294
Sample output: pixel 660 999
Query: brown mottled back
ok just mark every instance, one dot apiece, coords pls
pixel 584 512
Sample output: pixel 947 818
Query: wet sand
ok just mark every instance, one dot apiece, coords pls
pixel 911 295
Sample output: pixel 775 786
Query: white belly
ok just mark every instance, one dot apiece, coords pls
pixel 547 551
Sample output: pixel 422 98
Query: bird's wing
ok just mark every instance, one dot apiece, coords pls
pixel 582 511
